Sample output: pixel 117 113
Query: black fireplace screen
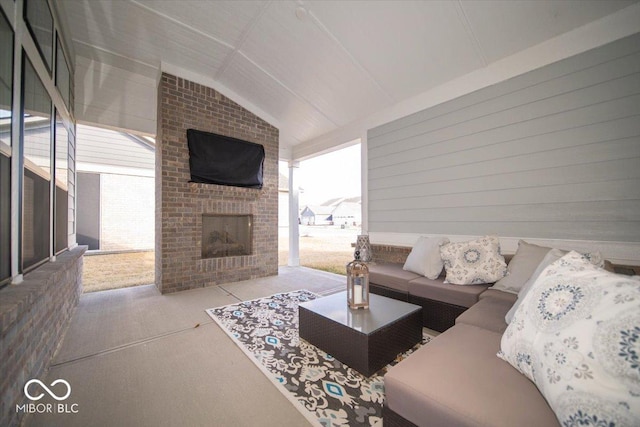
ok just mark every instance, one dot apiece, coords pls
pixel 226 235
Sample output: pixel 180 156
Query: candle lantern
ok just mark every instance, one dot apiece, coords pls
pixel 364 247
pixel 357 283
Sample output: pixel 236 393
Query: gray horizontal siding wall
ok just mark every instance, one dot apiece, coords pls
pixel 553 153
pixel 107 147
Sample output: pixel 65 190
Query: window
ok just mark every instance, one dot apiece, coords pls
pixel 62 185
pixel 36 130
pixel 6 91
pixel 39 21
pixel 62 74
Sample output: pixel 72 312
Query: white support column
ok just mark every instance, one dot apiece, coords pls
pixel 294 231
pixel 364 183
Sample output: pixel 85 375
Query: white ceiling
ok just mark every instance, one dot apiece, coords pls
pixel 315 66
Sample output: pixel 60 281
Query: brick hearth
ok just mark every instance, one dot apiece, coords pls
pixel 182 105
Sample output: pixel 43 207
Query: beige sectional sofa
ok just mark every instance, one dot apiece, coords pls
pixel 456 380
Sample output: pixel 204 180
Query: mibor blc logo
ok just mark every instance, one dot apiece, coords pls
pixel 35 390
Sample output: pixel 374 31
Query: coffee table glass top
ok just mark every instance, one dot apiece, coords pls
pixel 382 311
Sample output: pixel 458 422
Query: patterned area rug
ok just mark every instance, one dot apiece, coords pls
pixel 325 391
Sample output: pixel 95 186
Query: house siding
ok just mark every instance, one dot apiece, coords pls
pixel 106 147
pixel 551 154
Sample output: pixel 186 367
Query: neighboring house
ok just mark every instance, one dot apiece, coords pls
pixel 116 190
pixel 347 213
pixel 316 215
pixel 338 211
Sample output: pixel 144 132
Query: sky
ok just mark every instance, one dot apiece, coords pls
pixel 329 176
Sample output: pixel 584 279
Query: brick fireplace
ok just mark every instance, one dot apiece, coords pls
pixel 183 207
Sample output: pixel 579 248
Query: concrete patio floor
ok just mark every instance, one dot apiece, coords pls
pixel 134 357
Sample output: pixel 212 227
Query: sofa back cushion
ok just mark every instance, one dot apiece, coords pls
pixel 521 267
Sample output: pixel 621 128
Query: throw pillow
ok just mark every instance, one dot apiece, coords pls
pixel 473 262
pixel 521 267
pixel 576 335
pixel 424 258
pixel 552 256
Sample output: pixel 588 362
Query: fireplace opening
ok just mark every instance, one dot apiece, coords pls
pixel 226 235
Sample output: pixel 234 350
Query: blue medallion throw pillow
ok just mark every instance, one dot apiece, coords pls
pixel 576 335
pixel 473 262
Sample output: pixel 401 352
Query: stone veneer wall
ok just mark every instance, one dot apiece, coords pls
pixel 183 105
pixel 34 316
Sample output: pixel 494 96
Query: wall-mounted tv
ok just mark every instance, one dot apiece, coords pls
pixel 222 160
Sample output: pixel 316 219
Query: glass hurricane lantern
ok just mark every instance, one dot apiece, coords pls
pixel 357 283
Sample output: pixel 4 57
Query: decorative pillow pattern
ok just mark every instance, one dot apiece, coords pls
pixel 521 267
pixel 473 262
pixel 424 258
pixel 576 335
pixel 552 256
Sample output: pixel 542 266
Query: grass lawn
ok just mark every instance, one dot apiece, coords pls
pixel 113 271
pixel 321 247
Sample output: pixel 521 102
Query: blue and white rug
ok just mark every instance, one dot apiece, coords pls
pixel 325 391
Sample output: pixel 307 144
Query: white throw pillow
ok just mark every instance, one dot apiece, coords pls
pixel 424 258
pixel 576 335
pixel 473 262
pixel 552 256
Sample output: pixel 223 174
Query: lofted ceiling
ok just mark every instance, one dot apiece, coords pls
pixel 315 66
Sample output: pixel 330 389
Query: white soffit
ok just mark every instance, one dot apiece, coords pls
pixel 407 49
pixel 305 60
pixel 305 121
pixel 504 28
pixel 319 70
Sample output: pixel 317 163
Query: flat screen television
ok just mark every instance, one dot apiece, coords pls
pixel 222 160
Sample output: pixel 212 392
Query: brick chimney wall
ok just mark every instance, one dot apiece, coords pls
pixel 183 105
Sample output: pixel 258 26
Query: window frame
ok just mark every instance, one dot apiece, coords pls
pixel 24 169
pixel 61 54
pixel 57 249
pixel 6 152
pixel 48 62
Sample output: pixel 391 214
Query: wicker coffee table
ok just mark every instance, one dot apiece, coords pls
pixel 365 340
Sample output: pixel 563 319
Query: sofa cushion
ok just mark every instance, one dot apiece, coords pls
pixel 457 380
pixel 464 296
pixel 575 335
pixel 473 262
pixel 488 313
pixel 424 258
pixel 521 267
pixel 493 293
pixel 391 275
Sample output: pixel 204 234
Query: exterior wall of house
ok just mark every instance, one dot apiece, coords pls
pixel 127 212
pixel 123 198
pixel 108 151
pixel 183 105
pixel 31 331
pixel 37 301
pixel 552 154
